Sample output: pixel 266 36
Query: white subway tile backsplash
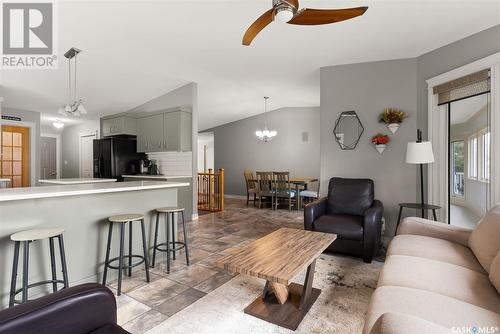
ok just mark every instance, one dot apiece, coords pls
pixel 173 163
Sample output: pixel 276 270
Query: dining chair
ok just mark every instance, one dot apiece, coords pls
pixel 282 188
pixel 264 186
pixel 251 185
pixel 309 194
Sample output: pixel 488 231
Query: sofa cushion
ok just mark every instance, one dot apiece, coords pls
pixel 435 249
pixel 350 196
pixel 442 278
pixel 485 239
pixel 495 272
pixel 397 323
pixel 345 226
pixel 439 309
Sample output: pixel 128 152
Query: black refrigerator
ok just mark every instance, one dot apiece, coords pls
pixel 116 156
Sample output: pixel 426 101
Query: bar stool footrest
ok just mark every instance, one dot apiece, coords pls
pixel 32 285
pixel 125 266
pixel 181 245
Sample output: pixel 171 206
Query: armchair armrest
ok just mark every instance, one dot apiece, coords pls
pixel 79 309
pixel 430 228
pixel 372 229
pixel 313 211
pixel 396 323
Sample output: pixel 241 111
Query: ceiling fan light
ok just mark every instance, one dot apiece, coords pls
pixel 284 13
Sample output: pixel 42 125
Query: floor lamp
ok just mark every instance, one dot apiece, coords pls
pixel 420 152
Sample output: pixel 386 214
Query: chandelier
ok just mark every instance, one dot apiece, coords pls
pixel 265 135
pixel 74 107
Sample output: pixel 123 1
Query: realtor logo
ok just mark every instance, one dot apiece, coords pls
pixel 28 35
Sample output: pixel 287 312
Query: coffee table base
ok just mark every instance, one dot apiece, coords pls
pixel 289 314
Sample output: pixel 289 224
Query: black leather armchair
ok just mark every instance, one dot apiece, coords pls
pixel 82 309
pixel 351 212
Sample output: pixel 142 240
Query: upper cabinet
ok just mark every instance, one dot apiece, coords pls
pixel 122 125
pixel 165 132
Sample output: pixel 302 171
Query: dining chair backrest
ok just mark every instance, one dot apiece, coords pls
pixel 250 180
pixel 281 184
pixel 264 181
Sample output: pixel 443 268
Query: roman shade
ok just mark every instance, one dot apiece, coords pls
pixel 467 86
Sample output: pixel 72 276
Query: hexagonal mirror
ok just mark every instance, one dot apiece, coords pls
pixel 348 130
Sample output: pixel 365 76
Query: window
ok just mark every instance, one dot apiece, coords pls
pixel 472 157
pixel 484 155
pixel 457 165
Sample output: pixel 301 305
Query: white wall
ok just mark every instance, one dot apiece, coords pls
pixel 70 146
pixel 206 140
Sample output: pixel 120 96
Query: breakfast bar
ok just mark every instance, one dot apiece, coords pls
pixel 82 211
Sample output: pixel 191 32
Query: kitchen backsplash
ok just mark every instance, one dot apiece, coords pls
pixel 173 163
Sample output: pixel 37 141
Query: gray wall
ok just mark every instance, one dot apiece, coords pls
pixel 237 148
pixel 70 146
pixel 368 88
pixel 32 117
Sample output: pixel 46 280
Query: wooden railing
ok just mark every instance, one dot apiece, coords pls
pixel 211 191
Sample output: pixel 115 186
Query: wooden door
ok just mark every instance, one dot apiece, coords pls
pixel 15 155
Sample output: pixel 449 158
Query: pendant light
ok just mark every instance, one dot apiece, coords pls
pixel 265 135
pixel 74 107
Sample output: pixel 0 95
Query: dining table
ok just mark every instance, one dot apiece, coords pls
pixel 298 182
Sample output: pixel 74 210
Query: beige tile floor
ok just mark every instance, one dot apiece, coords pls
pixel 143 306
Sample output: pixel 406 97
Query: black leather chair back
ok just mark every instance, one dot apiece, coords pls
pixel 349 196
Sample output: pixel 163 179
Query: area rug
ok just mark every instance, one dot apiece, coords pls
pixel 346 283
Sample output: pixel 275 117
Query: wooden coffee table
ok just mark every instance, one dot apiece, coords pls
pixel 278 258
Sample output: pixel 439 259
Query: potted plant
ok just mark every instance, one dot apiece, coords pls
pixel 393 118
pixel 380 141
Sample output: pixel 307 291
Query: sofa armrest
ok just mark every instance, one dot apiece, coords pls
pixel 397 323
pixel 313 211
pixel 430 228
pixel 79 309
pixel 372 229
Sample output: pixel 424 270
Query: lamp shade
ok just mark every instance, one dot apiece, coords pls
pixel 419 153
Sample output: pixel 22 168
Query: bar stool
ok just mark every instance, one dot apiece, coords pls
pixel 123 220
pixel 26 238
pixel 169 220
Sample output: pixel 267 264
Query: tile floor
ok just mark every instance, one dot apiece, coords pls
pixel 143 306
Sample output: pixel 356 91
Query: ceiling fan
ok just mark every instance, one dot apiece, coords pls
pixel 288 11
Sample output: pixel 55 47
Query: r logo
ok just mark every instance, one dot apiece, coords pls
pixel 27 28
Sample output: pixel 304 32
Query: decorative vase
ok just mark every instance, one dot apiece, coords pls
pixel 380 148
pixel 393 127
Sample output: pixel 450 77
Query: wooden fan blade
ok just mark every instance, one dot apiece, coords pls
pixel 309 16
pixel 257 26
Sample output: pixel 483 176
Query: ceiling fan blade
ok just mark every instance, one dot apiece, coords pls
pixel 257 26
pixel 309 16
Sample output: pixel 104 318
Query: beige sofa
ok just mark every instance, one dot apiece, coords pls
pixel 439 278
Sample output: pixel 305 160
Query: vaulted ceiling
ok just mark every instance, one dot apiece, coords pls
pixel 134 51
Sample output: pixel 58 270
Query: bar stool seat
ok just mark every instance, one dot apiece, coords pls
pixel 171 245
pixel 129 217
pixel 169 209
pixel 37 234
pixel 26 238
pixel 123 220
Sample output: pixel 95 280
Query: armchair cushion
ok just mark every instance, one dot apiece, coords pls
pixel 495 272
pixel 397 323
pixel 430 228
pixel 350 196
pixel 485 239
pixel 313 211
pixel 347 226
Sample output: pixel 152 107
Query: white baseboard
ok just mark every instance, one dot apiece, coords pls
pixel 194 216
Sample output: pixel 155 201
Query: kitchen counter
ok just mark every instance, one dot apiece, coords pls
pixel 75 181
pixel 13 194
pixel 82 210
pixel 157 177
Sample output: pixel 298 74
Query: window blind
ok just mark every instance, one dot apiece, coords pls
pixel 467 86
